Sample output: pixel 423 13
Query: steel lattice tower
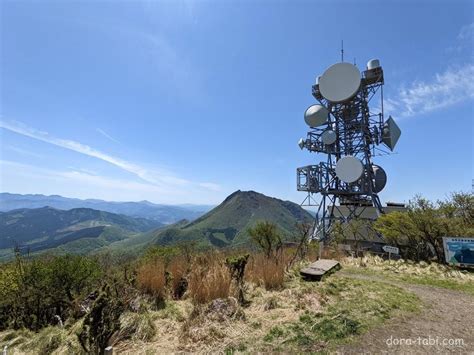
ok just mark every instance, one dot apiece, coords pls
pixel 347 126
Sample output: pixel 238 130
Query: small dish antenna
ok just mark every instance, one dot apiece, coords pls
pixel 329 137
pixel 380 178
pixel 349 169
pixel 316 115
pixel 340 82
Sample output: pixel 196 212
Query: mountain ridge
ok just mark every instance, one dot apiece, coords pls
pixel 166 214
pixel 47 227
pixel 86 230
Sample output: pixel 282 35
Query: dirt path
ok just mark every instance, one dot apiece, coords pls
pixel 447 315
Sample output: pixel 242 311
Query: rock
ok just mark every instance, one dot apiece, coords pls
pixel 223 309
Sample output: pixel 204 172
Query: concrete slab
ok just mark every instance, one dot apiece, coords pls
pixel 318 269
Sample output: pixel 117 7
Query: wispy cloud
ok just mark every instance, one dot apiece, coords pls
pixel 164 57
pixel 210 186
pixel 447 88
pixel 79 183
pixel 24 130
pixel 170 64
pixel 81 178
pixel 453 86
pixel 106 135
pixel 24 152
pixel 152 176
pixel 466 33
pixel 463 42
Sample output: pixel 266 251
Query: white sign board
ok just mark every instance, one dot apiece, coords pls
pixel 459 251
pixel 390 249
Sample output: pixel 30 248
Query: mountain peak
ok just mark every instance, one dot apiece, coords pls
pixel 244 194
pixel 228 224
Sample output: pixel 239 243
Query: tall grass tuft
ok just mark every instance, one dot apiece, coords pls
pixel 151 277
pixel 136 326
pixel 209 279
pixel 267 272
pixel 178 269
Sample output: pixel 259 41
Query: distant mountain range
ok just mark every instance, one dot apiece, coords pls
pixel 165 214
pixel 79 230
pixel 85 230
pixel 227 224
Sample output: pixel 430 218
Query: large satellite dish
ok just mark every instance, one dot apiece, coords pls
pixel 349 169
pixel 339 82
pixel 391 133
pixel 316 115
pixel 380 178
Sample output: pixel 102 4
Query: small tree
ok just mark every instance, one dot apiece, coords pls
pixel 265 234
pixel 421 229
pixel 399 229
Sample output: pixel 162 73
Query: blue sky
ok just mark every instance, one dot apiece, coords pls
pixel 188 101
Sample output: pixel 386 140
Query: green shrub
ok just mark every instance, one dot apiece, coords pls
pixel 34 292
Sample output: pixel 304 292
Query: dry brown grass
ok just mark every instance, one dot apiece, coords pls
pixel 151 277
pixel 266 272
pixel 178 268
pixel 332 252
pixel 209 278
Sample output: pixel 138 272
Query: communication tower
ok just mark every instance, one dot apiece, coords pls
pixel 348 132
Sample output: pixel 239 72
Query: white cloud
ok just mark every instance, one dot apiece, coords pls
pixel 450 87
pixel 453 86
pixel 106 135
pixel 23 152
pixel 464 41
pixel 79 183
pixel 154 177
pixel 210 186
pixel 466 33
pixel 24 130
pixel 173 65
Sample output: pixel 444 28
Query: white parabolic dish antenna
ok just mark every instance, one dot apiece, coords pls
pixel 340 82
pixel 380 178
pixel 328 137
pixel 316 115
pixel 349 169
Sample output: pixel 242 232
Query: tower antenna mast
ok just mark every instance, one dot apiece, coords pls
pixel 347 133
pixel 342 50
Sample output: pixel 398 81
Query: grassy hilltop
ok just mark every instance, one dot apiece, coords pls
pixel 228 224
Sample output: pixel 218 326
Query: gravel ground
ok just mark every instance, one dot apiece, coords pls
pixel 447 315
